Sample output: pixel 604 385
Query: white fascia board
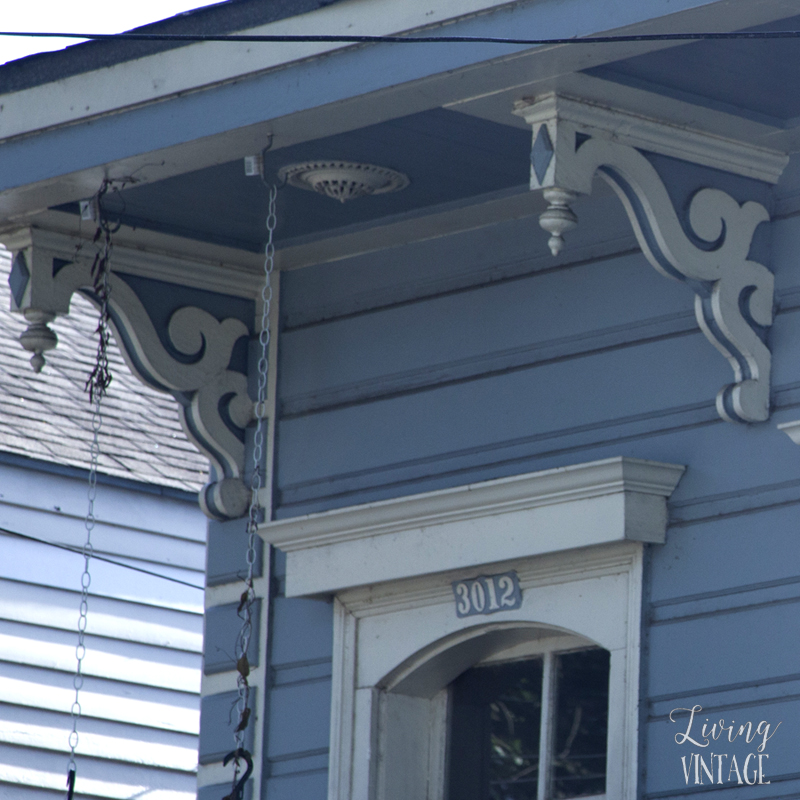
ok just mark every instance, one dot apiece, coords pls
pixel 197 66
pixel 617 499
pixel 202 64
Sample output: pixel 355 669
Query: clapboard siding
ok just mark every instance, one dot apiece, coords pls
pixel 101 739
pixel 152 547
pixel 133 622
pixel 99 778
pixel 724 591
pixel 476 355
pixel 62 571
pixel 480 380
pixel 101 698
pixel 514 323
pixel 140 701
pixel 495 425
pixel 437 265
pixel 297 693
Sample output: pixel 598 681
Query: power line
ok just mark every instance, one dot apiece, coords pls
pixel 352 39
pixel 79 551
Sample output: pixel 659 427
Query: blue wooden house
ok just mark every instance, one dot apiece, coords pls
pixel 531 481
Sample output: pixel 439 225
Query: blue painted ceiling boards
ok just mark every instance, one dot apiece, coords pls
pixel 757 79
pixel 448 157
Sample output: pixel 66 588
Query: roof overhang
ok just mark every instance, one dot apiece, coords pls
pixel 209 103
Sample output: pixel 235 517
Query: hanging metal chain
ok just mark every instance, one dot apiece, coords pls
pixel 248 597
pixel 96 385
pixel 100 378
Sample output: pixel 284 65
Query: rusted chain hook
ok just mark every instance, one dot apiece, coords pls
pixel 238 790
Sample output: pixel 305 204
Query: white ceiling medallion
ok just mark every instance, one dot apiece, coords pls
pixel 343 180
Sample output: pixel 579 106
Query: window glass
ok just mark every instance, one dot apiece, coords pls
pixel 496 727
pixel 579 751
pixel 494 739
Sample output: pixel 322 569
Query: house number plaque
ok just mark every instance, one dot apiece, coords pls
pixel 487 594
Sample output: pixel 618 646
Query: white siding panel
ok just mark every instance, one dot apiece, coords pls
pixel 122 661
pixel 46 730
pixel 35 563
pixel 101 699
pixel 146 545
pixel 63 495
pixel 21 766
pixel 55 608
pixel 140 700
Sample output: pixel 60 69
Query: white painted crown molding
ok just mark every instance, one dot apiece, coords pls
pixel 573 141
pixel 668 139
pixel 47 270
pixel 151 254
pixel 617 499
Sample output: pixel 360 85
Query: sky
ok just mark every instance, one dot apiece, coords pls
pixel 86 16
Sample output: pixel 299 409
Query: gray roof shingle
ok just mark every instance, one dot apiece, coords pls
pixel 48 416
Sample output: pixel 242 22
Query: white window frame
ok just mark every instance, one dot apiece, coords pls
pixel 575 537
pixel 546 649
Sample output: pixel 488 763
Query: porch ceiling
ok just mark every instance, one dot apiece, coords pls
pixel 441 115
pixel 476 149
pixel 449 158
pixel 755 79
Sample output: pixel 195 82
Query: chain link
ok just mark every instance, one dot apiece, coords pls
pixel 90 520
pixel 248 597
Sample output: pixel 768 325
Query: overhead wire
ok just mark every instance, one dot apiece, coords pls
pixel 409 39
pixel 79 551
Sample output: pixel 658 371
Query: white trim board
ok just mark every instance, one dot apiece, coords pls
pixel 669 139
pixel 204 64
pixel 601 502
pixel 494 106
pixel 148 254
pixel 398 645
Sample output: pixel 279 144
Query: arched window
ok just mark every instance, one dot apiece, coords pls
pixel 529 728
pixel 413 661
pixel 500 712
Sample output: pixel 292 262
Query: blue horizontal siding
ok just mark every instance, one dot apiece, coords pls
pixel 484 358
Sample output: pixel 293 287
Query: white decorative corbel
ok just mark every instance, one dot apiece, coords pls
pixel 573 141
pixel 214 403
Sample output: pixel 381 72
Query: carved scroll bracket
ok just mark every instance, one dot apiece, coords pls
pixel 573 141
pixel 189 356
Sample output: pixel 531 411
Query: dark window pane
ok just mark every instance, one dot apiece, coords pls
pixel 494 732
pixel 579 753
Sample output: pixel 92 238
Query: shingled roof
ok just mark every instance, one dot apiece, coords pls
pixel 47 417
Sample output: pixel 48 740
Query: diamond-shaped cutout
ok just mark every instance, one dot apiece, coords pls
pixel 18 278
pixel 541 153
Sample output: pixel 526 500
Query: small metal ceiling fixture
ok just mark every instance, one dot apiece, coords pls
pixel 343 180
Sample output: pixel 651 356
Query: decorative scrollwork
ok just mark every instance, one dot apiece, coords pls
pixel 734 295
pixel 215 407
pixel 214 404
